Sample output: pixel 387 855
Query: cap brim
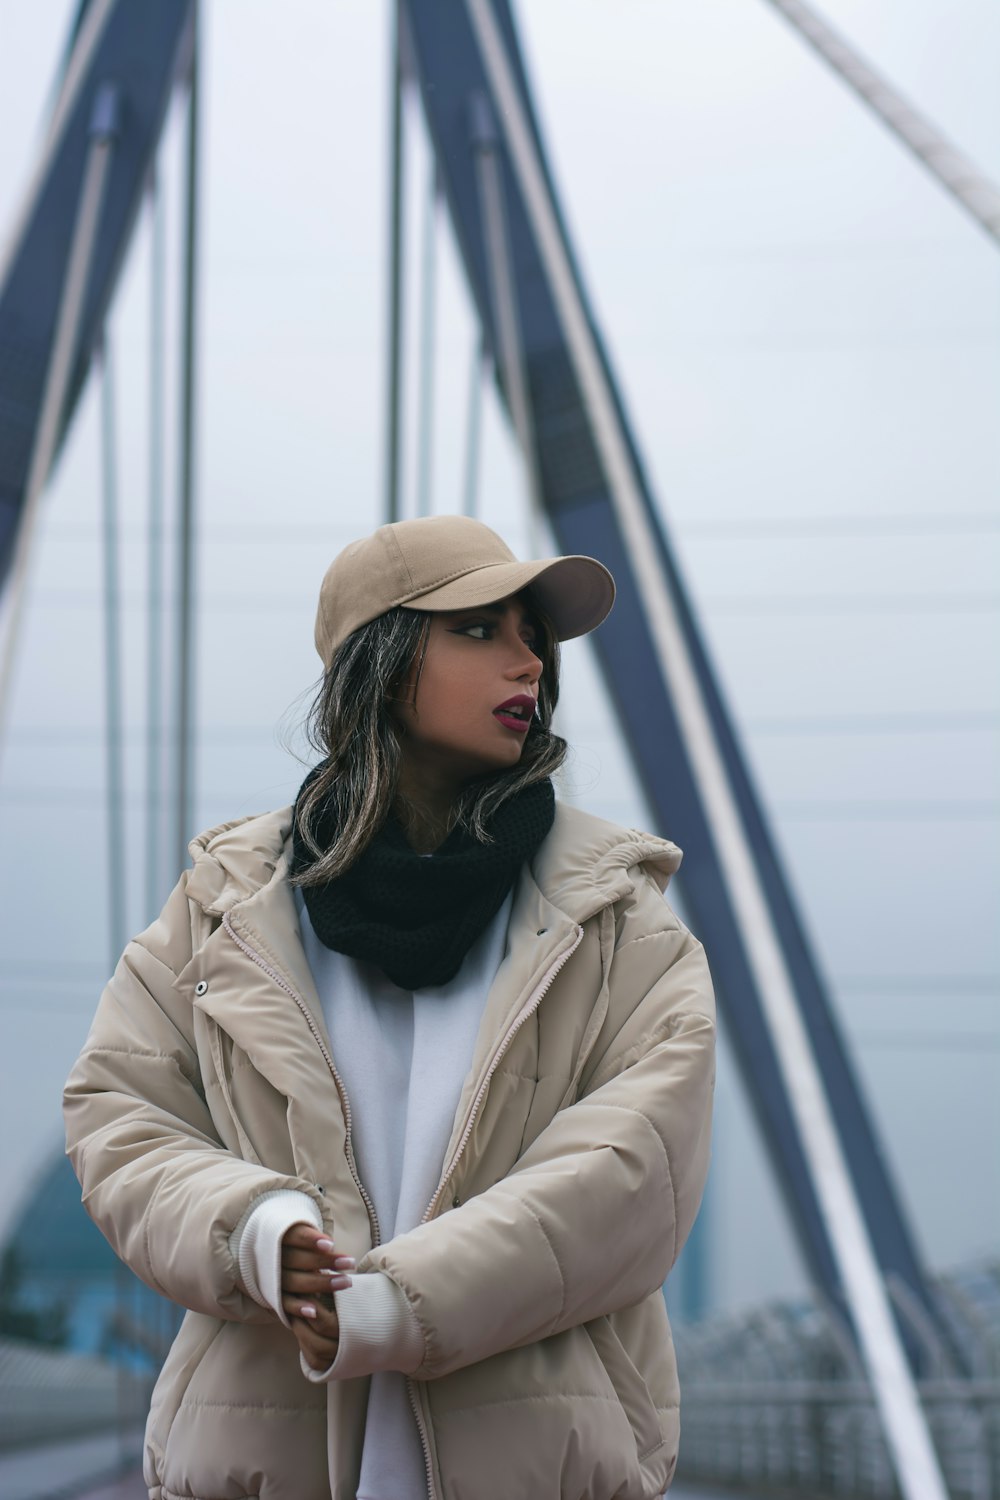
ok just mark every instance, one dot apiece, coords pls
pixel 575 592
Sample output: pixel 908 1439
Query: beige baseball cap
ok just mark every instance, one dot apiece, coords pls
pixel 447 563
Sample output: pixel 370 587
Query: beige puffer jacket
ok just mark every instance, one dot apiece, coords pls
pixel 573 1175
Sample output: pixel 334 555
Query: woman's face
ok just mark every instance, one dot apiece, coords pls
pixel 474 695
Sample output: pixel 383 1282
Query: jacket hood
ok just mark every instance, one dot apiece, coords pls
pixel 582 866
pixel 585 862
pixel 235 859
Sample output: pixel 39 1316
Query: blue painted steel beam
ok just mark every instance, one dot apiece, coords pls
pixel 141 49
pixel 577 500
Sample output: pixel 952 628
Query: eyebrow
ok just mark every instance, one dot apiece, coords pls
pixel 500 609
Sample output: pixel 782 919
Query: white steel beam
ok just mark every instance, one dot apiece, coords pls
pixel 81 253
pixel 952 168
pixel 882 1351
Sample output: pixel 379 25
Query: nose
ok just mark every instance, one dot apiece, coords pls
pixel 525 666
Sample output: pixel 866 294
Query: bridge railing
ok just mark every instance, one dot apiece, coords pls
pixel 775 1400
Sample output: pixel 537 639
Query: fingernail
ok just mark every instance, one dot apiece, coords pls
pixel 345 1263
pixel 307 1310
pixel 324 1244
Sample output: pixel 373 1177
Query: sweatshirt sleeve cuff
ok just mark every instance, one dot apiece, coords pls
pixel 255 1243
pixel 378 1331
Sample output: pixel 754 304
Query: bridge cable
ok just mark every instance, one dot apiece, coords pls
pixel 393 392
pixel 114 776
pixel 503 296
pixel 477 375
pixel 425 390
pixel 154 636
pixel 953 169
pixel 185 702
pixel 113 716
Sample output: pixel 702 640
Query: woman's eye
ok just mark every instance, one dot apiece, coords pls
pixel 485 631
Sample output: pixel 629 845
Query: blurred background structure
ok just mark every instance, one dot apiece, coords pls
pixel 660 284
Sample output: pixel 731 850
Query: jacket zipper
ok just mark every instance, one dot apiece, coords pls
pixel 345 1102
pixel 424 1443
pixel 537 995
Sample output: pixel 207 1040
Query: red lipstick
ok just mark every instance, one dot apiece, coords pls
pixel 517 713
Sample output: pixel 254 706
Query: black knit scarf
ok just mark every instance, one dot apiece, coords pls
pixel 417 917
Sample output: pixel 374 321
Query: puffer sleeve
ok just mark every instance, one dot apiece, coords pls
pixel 595 1212
pixel 157 1180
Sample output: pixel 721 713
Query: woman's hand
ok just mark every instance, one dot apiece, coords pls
pixel 311 1271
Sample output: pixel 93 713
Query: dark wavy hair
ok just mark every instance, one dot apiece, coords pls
pixel 350 724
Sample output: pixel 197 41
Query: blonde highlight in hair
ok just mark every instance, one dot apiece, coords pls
pixel 351 725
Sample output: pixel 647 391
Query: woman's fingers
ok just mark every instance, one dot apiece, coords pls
pixel 312 1260
pixel 318 1349
pixel 308 1238
pixel 311 1271
pixel 304 1236
pixel 319 1359
pixel 306 1248
pixel 313 1283
pixel 318 1314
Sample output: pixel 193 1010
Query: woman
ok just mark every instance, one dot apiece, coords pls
pixel 429 1027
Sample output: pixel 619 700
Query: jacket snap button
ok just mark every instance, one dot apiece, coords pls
pixel 456 1202
pixel 201 988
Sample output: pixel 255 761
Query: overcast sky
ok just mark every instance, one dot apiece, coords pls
pixel 805 329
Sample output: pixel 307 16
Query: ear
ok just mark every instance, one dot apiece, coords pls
pixel 401 694
pixel 403 689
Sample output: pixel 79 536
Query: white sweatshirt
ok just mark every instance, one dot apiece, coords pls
pixel 403 1058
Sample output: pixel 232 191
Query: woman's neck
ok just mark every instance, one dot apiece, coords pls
pixel 426 807
pixel 424 831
